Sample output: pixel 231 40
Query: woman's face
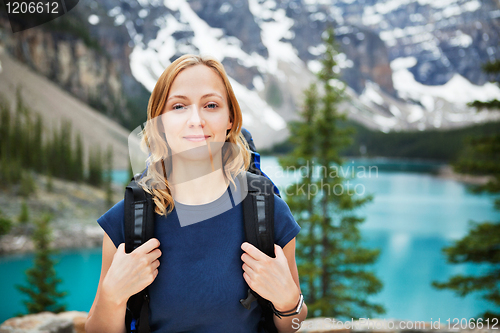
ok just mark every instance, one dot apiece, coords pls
pixel 196 113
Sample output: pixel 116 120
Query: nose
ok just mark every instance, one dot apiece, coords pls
pixel 195 117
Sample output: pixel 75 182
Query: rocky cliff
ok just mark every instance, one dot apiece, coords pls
pixel 94 69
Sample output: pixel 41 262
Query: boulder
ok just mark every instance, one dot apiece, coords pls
pixel 46 322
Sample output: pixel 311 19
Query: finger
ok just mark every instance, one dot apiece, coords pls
pixel 247 278
pixel 149 246
pixel 154 255
pixel 247 268
pixel 155 274
pixel 249 260
pixel 248 272
pixel 253 251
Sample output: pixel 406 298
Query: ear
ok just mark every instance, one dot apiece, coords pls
pixel 229 125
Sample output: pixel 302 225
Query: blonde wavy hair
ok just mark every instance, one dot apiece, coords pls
pixel 235 154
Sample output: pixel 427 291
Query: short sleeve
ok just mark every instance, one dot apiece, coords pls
pixel 285 226
pixel 112 223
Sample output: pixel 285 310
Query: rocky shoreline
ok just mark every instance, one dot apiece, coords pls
pixel 74 209
pixel 446 172
pixel 46 322
pixel 74 237
pixel 74 322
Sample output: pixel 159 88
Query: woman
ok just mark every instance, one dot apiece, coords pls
pixel 206 265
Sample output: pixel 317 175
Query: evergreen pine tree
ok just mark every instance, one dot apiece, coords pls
pixel 24 218
pixel 303 136
pixel 5 224
pixel 493 69
pixel 27 149
pixel 78 164
pixel 27 186
pixel 331 260
pixel 22 131
pixel 24 147
pixel 42 278
pixel 95 167
pixel 24 215
pixel 10 159
pixel 49 186
pixel 480 156
pixel 16 139
pixel 5 125
pixel 37 145
pixel 52 153
pixel 65 151
pixel 5 151
pixel 108 181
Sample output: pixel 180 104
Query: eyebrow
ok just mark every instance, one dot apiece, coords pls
pixel 184 97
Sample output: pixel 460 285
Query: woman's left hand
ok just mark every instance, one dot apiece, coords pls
pixel 270 277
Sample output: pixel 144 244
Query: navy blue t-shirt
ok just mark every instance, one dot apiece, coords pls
pixel 200 277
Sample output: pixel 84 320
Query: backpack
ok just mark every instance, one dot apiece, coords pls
pixel 258 217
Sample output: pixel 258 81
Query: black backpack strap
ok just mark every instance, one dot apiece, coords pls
pixel 258 213
pixel 139 216
pixel 139 228
pixel 258 217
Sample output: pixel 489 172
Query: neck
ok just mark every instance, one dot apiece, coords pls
pixel 201 190
pixel 197 182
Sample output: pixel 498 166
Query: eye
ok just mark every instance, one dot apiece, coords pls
pixel 211 105
pixel 178 107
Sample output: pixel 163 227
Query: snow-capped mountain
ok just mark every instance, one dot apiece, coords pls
pixel 408 64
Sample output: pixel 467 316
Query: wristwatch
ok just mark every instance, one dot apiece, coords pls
pixel 280 314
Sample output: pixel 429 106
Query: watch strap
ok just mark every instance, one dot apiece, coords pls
pixel 297 310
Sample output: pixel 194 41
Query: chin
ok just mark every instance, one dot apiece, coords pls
pixel 197 151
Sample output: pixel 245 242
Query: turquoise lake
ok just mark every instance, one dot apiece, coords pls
pixel 414 215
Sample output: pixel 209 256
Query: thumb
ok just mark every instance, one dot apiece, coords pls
pixel 121 248
pixel 278 251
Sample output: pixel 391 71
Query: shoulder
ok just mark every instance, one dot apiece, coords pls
pixel 112 223
pixel 280 206
pixel 114 212
pixel 285 226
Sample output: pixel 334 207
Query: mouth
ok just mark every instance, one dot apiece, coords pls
pixel 196 138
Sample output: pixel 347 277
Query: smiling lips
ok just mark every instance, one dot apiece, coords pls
pixel 197 138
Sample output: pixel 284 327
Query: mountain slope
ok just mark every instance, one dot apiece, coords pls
pixel 43 96
pixel 409 64
pixel 385 76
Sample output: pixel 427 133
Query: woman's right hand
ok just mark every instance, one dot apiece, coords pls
pixel 130 273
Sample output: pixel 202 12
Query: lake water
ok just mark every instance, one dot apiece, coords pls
pixel 412 217
pixel 79 271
